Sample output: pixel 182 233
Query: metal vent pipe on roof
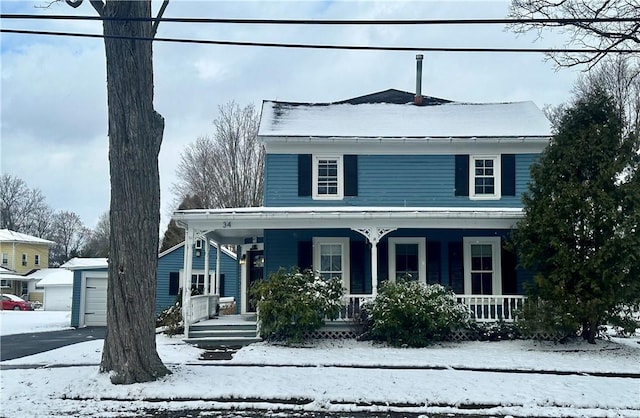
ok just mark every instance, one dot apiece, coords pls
pixel 418 98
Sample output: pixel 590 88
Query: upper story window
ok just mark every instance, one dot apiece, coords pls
pixel 36 259
pixel 484 177
pixel 328 177
pixel 5 259
pixel 24 259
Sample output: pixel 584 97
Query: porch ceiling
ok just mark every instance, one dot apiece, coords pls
pixel 233 224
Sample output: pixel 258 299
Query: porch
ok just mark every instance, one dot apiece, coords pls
pixel 206 328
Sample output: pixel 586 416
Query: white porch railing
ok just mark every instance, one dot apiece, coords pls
pixel 489 308
pixel 202 307
pixel 484 308
pixel 351 305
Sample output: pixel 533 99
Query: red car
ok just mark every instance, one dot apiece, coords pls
pixel 13 302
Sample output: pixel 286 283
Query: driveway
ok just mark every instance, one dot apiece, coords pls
pixel 21 345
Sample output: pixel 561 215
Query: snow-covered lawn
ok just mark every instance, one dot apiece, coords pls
pixel 341 376
pixel 22 322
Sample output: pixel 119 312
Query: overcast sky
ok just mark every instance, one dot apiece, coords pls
pixel 54 115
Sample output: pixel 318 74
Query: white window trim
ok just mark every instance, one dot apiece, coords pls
pixel 496 283
pixel 36 259
pixel 422 254
pixel 25 259
pixel 346 266
pixel 5 259
pixel 314 185
pixel 496 174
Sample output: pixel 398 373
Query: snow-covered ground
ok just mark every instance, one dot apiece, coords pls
pixel 515 378
pixel 21 322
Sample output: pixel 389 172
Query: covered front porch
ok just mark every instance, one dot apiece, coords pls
pixel 369 245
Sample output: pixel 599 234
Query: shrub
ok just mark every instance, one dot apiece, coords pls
pixel 411 314
pixel 495 331
pixel 293 303
pixel 171 318
pixel 543 320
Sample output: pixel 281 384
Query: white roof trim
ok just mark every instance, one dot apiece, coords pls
pixel 212 243
pixel 6 235
pixel 234 223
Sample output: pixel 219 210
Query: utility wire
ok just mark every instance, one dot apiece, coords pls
pixel 320 46
pixel 558 21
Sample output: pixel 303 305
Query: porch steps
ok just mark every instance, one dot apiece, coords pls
pixel 224 331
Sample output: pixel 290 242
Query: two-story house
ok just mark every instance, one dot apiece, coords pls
pixel 388 186
pixel 22 254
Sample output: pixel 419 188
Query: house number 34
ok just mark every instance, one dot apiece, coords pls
pixel 226 224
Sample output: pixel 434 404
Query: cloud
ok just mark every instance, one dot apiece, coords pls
pixel 54 115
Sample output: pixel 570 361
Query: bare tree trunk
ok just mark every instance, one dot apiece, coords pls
pixel 135 135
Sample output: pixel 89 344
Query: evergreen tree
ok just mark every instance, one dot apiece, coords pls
pixel 582 212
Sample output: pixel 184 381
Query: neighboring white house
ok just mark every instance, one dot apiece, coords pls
pixel 57 285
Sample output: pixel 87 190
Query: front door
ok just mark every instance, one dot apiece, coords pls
pixel 255 272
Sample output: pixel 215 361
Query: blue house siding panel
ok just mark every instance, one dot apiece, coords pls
pixel 390 180
pixel 281 251
pixel 174 262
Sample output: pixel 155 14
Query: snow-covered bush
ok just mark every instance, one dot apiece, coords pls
pixel 171 318
pixel 411 314
pixel 293 303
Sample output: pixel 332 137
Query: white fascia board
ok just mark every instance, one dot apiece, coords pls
pixel 404 146
pixel 229 222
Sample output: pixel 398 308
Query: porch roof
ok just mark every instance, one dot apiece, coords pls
pixel 231 225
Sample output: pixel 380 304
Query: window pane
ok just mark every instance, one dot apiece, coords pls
pixel 327 177
pixel 407 259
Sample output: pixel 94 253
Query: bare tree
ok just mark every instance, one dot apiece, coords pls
pixel 69 235
pixel 135 135
pixel 23 209
pixel 606 36
pixel 620 79
pixel 97 244
pixel 225 170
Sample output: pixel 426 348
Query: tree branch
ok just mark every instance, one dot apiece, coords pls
pixel 98 5
pixel 165 3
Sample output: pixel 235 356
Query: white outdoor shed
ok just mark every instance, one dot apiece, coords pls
pixel 57 285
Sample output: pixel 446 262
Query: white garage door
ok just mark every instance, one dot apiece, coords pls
pixel 95 308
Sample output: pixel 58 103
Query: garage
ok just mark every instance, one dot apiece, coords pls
pixel 95 308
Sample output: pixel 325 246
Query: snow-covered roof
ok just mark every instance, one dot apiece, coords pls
pixel 52 277
pixel 7 235
pixel 79 263
pixel 391 120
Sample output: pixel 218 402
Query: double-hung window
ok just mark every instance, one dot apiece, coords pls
pixel 37 259
pixel 5 259
pixel 407 259
pixel 331 259
pixel 198 282
pixel 482 272
pixel 484 177
pixel 24 259
pixel 328 177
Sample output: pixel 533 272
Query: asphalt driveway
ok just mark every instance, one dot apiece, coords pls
pixel 22 345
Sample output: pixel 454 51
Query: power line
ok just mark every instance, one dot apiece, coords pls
pixel 321 46
pixel 559 21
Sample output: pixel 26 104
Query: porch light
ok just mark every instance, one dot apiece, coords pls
pixel 243 259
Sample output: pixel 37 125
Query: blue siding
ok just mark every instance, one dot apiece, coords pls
pixel 390 180
pixel 281 251
pixel 174 262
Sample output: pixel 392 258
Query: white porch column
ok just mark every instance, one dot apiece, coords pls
pixel 207 286
pixel 186 277
pixel 218 251
pixel 374 235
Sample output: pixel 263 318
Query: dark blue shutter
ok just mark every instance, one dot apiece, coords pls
pixel 350 175
pixel 433 262
pixel 305 255
pixel 509 263
pixel 304 175
pixel 508 175
pixel 174 283
pixel 383 261
pixel 456 267
pixel 462 175
pixel 357 251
